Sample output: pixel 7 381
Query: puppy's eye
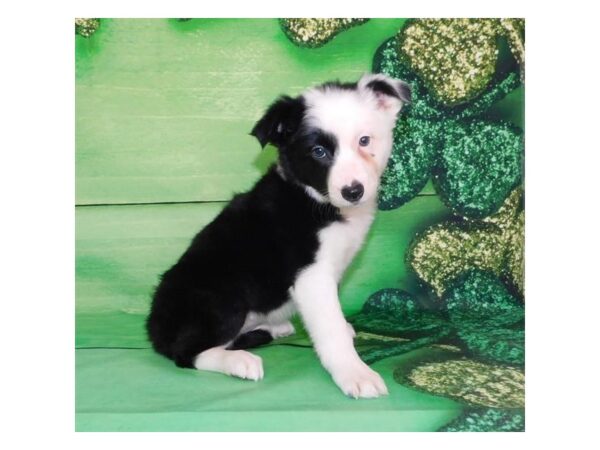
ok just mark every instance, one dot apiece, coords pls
pixel 364 141
pixel 319 152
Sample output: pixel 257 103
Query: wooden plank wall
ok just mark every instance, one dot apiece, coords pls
pixel 163 111
pixel 164 108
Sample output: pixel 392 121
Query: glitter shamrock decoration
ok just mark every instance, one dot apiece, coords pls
pixel 468 347
pixel 393 322
pixel 457 58
pixel 493 394
pixel 316 32
pixel 86 27
pixel 496 243
pixel 474 161
pixel 487 419
pixel 477 314
pixel 472 382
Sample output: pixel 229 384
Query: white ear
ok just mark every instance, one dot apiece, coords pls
pixel 391 94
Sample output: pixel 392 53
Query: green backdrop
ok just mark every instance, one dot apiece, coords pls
pixel 163 112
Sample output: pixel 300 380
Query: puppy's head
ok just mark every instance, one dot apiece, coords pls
pixel 335 139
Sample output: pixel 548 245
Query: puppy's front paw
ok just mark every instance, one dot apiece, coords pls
pixel 243 364
pixel 360 381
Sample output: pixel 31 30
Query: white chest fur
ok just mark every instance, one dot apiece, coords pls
pixel 340 241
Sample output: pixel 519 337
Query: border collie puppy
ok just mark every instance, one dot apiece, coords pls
pixel 283 246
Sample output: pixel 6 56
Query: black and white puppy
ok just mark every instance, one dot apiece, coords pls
pixel 283 246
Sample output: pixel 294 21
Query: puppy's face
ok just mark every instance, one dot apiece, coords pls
pixel 335 139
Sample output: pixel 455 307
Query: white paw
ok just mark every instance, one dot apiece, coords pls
pixel 360 381
pixel 351 330
pixel 282 330
pixel 243 364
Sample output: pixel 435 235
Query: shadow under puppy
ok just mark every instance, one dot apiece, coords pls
pixel 283 246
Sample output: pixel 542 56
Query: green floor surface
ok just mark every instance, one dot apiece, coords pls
pixel 137 390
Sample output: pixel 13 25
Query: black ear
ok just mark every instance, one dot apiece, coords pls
pixel 393 88
pixel 281 120
pixel 392 93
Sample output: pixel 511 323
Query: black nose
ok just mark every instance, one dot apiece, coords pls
pixel 354 192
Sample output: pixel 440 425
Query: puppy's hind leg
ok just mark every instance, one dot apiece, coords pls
pixel 280 330
pixel 262 335
pixel 238 363
pixel 251 339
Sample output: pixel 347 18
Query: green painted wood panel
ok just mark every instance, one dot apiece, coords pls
pixel 164 108
pixel 122 250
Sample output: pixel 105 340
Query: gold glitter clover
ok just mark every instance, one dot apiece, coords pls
pixel 456 58
pixel 86 27
pixel 316 32
pixel 473 382
pixel 496 243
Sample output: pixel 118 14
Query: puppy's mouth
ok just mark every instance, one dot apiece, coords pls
pixel 355 197
pixel 346 204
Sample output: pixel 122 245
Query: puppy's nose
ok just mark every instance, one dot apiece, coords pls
pixel 354 192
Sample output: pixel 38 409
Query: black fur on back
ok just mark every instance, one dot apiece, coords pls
pixel 245 260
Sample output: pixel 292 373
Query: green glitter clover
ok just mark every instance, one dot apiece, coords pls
pixel 444 250
pixel 477 314
pixel 475 162
pixel 470 348
pixel 487 419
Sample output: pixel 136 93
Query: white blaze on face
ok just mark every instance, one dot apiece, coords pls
pixel 349 115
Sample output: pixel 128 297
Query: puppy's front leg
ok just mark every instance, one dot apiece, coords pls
pixel 316 297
